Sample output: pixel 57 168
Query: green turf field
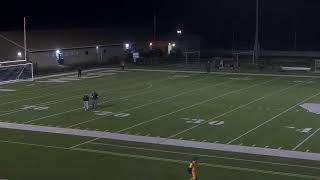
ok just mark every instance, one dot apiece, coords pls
pixel 243 110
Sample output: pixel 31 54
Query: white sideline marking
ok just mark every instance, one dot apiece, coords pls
pixel 305 140
pixel 165 160
pixel 146 104
pixel 232 110
pixel 207 156
pixel 283 112
pixel 7 90
pixel 163 141
pixel 196 104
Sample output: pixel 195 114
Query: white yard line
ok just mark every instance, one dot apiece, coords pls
pixel 235 109
pixel 26 99
pixel 269 120
pixel 234 168
pixel 301 143
pixel 154 102
pixel 207 156
pixel 196 104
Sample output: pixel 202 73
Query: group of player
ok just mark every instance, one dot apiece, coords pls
pixel 94 99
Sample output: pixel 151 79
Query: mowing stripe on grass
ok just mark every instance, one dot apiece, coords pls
pixel 66 99
pixel 235 109
pixel 223 73
pixel 283 112
pixel 154 102
pixel 53 102
pixel 196 104
pixel 200 164
pixel 306 139
pixel 205 155
pixel 76 109
pixel 233 168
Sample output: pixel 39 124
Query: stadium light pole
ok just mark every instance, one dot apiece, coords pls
pixel 256 39
pixel 154 25
pixel 25 38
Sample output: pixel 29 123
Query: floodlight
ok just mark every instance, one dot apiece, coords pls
pixel 19 54
pixel 127 45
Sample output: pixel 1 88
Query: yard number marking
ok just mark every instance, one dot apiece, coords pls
pixel 107 113
pixel 199 121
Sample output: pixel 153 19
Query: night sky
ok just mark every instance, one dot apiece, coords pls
pixel 218 21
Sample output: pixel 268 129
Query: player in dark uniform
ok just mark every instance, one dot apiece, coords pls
pixel 79 72
pixel 86 102
pixel 94 96
pixel 122 65
pixel 208 67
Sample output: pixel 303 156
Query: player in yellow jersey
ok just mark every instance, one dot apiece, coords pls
pixel 192 169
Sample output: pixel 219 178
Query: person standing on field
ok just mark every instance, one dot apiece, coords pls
pixel 79 72
pixel 94 99
pixel 122 65
pixel 208 67
pixel 192 169
pixel 86 102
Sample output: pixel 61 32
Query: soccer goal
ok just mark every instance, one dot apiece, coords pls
pixel 317 65
pixel 192 57
pixel 13 71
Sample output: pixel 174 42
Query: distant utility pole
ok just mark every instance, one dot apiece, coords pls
pixel 295 40
pixel 154 25
pixel 25 38
pixel 256 40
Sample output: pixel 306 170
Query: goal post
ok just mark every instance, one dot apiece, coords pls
pixel 192 56
pixel 317 65
pixel 14 71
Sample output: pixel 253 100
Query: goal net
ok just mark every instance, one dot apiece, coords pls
pixel 192 57
pixel 13 71
pixel 317 65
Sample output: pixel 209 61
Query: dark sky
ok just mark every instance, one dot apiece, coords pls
pixel 218 21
